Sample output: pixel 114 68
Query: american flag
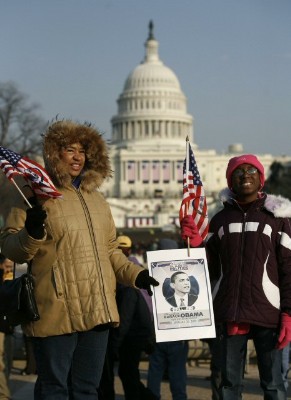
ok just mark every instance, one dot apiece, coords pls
pixel 13 164
pixel 194 200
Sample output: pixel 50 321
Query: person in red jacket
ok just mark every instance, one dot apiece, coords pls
pixel 249 256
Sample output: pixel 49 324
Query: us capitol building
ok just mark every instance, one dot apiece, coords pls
pixel 148 147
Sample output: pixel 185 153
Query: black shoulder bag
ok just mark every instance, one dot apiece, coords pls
pixel 17 300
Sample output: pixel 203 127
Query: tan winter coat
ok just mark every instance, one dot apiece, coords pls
pixel 77 263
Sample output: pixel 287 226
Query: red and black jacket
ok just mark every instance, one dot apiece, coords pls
pixel 249 257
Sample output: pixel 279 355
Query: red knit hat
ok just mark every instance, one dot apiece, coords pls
pixel 234 162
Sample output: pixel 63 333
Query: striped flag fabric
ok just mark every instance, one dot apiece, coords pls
pixel 13 164
pixel 194 199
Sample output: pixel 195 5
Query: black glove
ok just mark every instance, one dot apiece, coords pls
pixel 144 280
pixel 34 222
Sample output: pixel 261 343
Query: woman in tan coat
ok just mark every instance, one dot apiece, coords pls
pixel 75 263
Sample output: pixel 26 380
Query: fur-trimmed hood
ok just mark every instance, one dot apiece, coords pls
pixel 63 133
pixel 279 206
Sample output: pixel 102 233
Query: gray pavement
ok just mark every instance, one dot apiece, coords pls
pixel 198 386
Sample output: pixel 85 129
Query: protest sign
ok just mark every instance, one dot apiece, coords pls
pixel 182 303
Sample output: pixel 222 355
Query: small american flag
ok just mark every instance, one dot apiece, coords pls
pixel 194 200
pixel 13 164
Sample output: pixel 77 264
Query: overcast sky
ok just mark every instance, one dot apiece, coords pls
pixel 232 58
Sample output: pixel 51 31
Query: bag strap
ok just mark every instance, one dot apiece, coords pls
pixel 29 267
pixel 14 270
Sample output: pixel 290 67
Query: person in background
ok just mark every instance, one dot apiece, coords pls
pixel 6 332
pixel 126 246
pixel 106 389
pixel 169 357
pixel 6 273
pixel 75 263
pixel 135 333
pixel 4 388
pixel 249 258
pixel 138 252
pixel 6 267
pixel 30 367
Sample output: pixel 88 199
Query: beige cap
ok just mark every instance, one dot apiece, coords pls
pixel 124 241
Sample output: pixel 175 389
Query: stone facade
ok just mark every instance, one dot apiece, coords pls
pixel 148 147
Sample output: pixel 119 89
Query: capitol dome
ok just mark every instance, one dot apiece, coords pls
pixel 152 73
pixel 155 76
pixel 152 104
pixel 148 149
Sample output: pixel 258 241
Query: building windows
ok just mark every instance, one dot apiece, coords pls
pixel 156 171
pixel 145 171
pixel 131 172
pixel 166 171
pixel 136 221
pixel 179 171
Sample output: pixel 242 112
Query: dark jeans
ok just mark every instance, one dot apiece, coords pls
pixel 234 351
pixel 173 356
pixel 215 365
pixel 8 353
pixel 69 366
pixel 106 389
pixel 285 364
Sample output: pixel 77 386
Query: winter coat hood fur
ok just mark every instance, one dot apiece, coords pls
pixel 60 134
pixel 279 206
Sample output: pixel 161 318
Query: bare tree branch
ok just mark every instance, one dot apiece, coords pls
pixel 20 125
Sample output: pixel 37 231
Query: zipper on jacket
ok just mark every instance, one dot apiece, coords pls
pixel 241 266
pixel 91 230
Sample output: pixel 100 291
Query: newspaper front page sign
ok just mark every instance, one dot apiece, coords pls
pixel 182 303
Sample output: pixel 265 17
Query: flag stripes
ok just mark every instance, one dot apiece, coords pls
pixel 194 200
pixel 13 164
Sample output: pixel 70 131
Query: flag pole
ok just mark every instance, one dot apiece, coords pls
pixel 187 152
pixel 19 190
pixel 188 246
pixel 186 205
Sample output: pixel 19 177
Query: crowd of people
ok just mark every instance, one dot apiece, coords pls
pixel 93 295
